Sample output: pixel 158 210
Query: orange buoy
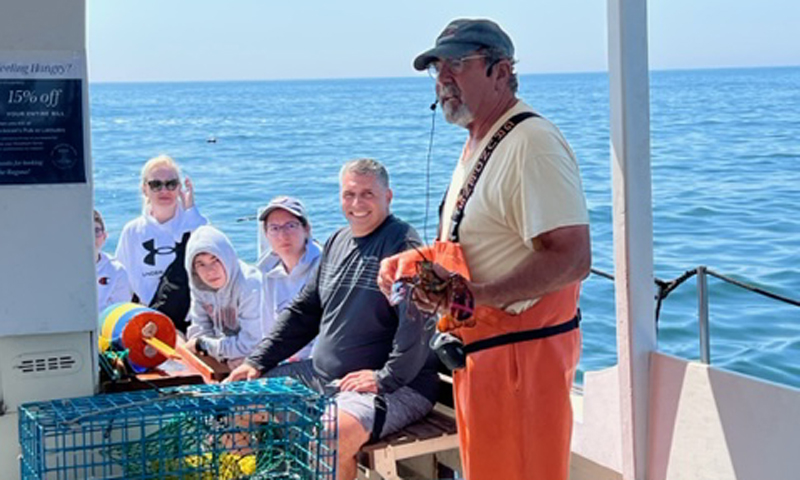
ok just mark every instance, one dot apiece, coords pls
pixel 147 334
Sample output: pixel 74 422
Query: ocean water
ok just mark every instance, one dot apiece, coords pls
pixel 725 168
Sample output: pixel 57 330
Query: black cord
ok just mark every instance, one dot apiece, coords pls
pixel 428 175
pixel 753 289
pixel 666 287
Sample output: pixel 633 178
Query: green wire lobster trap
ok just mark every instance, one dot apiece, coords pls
pixel 265 429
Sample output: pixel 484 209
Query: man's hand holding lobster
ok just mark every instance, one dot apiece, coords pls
pixel 434 289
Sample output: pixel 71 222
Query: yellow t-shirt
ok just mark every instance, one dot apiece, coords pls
pixel 530 186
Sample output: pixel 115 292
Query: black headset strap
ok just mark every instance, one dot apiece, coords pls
pixel 477 170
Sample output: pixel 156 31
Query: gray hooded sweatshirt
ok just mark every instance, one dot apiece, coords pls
pixel 228 319
pixel 280 286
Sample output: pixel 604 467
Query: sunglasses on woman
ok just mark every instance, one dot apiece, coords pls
pixel 157 185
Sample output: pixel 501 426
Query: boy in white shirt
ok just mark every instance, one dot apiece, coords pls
pixel 112 279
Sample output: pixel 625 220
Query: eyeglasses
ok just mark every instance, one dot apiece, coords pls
pixel 157 185
pixel 98 232
pixel 455 65
pixel 274 229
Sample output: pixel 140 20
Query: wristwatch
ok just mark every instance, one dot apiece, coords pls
pixel 201 345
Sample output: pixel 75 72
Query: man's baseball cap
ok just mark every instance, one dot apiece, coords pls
pixel 464 36
pixel 290 204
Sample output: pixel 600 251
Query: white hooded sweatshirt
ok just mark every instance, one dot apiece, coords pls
pixel 228 319
pixel 280 287
pixel 146 248
pixel 112 282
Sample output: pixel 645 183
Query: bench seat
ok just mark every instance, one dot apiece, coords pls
pixel 432 444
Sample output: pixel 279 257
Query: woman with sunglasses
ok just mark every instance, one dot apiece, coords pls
pixel 152 246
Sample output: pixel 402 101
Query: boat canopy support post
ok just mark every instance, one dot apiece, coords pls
pixel 48 298
pixel 632 223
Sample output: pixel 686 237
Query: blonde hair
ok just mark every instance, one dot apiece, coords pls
pixel 155 162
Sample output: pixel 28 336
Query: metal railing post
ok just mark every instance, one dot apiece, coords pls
pixel 702 314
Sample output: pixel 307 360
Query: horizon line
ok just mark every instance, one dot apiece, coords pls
pixel 423 75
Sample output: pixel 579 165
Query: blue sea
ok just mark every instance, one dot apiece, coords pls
pixel 725 167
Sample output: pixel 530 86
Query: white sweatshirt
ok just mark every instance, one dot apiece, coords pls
pixel 146 248
pixel 112 282
pixel 280 287
pixel 229 319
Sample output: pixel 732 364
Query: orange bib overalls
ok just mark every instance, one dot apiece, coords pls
pixel 512 401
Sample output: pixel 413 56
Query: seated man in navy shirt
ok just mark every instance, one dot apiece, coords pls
pixel 370 354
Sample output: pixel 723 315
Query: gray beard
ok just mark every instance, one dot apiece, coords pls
pixel 460 116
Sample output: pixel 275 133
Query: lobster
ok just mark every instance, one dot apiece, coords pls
pixel 452 291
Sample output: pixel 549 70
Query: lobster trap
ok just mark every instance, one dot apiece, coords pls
pixel 265 429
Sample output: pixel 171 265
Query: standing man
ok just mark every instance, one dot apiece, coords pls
pixel 515 228
pixel 373 356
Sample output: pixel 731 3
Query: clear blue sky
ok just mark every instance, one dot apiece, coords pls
pixel 177 40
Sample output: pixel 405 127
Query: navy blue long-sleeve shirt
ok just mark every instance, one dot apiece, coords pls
pixel 355 326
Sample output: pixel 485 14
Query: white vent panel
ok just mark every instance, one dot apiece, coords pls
pixel 47 364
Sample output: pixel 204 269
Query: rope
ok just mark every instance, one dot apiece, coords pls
pixel 111 362
pixel 758 290
pixel 666 287
pixel 148 401
pixel 603 274
pixel 161 396
pixel 116 367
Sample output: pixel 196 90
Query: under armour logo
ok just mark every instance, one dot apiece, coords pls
pixel 150 246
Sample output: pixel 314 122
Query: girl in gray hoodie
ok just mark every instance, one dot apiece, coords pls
pixel 225 313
